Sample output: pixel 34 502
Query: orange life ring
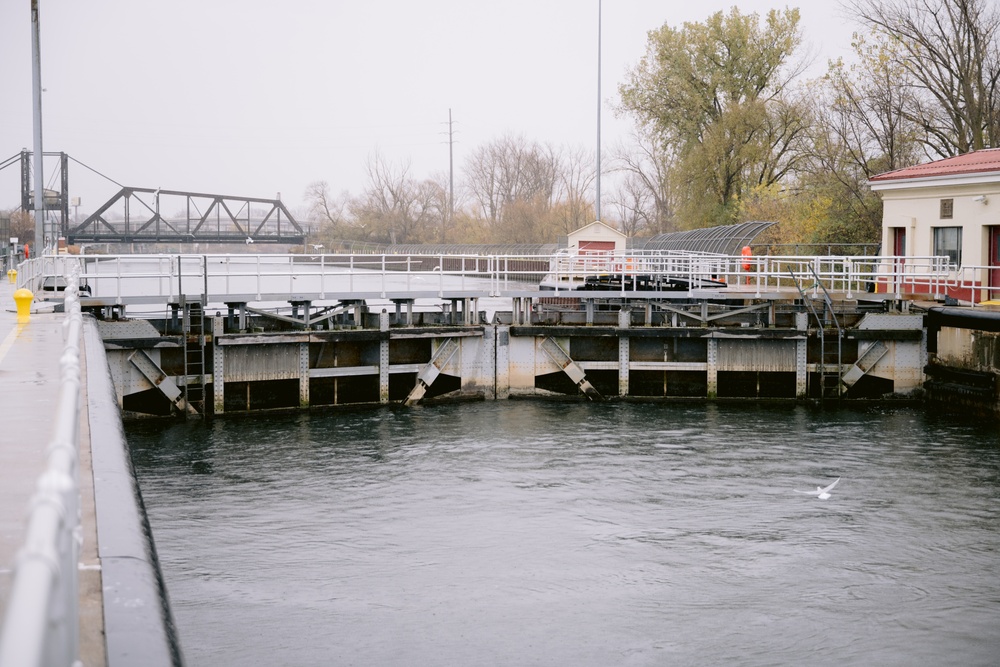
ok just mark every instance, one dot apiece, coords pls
pixel 746 252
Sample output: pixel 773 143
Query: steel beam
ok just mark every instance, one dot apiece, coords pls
pixel 562 359
pixel 430 372
pixel 160 380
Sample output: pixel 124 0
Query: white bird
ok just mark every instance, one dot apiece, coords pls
pixel 249 240
pixel 822 493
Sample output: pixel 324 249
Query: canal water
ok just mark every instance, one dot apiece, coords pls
pixel 537 533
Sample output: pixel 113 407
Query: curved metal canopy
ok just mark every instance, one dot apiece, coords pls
pixel 724 239
pixel 476 249
pixel 454 248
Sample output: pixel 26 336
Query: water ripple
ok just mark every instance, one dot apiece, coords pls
pixel 518 533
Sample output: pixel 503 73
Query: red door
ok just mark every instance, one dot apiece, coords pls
pixel 596 247
pixel 899 250
pixel 994 291
pixel 899 241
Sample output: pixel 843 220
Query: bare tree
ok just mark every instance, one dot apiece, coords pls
pixel 511 170
pixel 633 203
pixel 862 110
pixel 432 201
pixel 22 225
pixel 324 208
pixel 648 167
pixel 951 49
pixel 576 178
pixel 391 206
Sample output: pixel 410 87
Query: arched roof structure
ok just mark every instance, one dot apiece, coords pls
pixel 515 249
pixel 724 239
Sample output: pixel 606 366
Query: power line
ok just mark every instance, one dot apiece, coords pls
pixel 96 172
pixel 451 171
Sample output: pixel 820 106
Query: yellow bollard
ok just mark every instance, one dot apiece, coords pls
pixel 12 276
pixel 23 299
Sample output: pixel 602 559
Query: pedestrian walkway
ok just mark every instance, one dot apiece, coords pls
pixel 29 391
pixel 29 394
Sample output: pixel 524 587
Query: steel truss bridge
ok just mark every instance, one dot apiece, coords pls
pixel 191 217
pixel 148 215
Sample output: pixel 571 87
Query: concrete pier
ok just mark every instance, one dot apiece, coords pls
pixel 29 391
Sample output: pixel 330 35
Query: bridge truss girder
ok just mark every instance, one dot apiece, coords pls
pixel 203 218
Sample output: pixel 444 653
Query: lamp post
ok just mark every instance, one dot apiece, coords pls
pixel 36 94
pixel 597 198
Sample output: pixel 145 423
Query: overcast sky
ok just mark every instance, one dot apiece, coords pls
pixel 253 97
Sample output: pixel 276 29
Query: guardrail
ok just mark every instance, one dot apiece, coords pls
pixel 981 283
pixel 163 278
pixel 887 274
pixel 41 623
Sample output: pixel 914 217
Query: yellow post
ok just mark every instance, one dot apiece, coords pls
pixel 23 299
pixel 12 276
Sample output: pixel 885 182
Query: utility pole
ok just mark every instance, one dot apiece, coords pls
pixel 36 90
pixel 597 198
pixel 451 173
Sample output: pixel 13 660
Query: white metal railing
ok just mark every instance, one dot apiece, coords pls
pixel 978 283
pixel 888 274
pixel 164 278
pixel 41 622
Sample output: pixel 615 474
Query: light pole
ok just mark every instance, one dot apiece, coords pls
pixel 36 94
pixel 597 198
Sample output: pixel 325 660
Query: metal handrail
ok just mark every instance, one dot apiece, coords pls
pixel 41 623
pixel 976 278
pixel 166 277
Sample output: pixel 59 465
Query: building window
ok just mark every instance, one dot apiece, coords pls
pixel 948 241
pixel 947 209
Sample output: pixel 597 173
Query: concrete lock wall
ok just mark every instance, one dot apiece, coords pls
pixel 247 372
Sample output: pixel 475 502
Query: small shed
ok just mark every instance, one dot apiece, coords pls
pixel 951 208
pixel 597 238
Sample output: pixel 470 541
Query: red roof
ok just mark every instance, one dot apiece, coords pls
pixel 977 162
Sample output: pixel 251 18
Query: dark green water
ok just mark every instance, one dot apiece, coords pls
pixel 536 533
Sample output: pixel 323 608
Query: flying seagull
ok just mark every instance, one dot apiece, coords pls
pixel 821 493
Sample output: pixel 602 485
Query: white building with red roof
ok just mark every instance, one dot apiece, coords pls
pixel 951 208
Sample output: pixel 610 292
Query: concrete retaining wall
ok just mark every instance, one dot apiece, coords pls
pixel 139 627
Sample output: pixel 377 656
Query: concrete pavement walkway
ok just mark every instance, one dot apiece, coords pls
pixel 29 392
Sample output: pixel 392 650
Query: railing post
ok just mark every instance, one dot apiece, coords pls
pixel 118 276
pixel 322 276
pixel 850 277
pixel 383 277
pixel 259 291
